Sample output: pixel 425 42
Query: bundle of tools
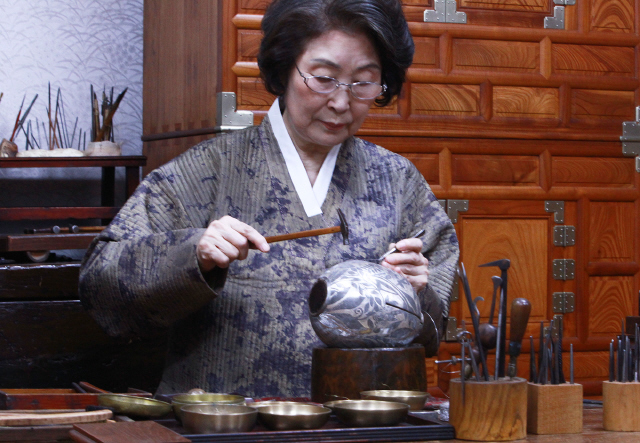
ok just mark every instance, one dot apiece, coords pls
pixel 624 366
pixel 104 131
pixel 549 368
pixel 487 336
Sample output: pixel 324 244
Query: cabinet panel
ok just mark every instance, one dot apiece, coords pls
pixel 611 232
pixel 493 170
pixel 428 165
pixel 525 102
pixel 445 100
pixel 427 53
pixel 511 5
pixel 612 16
pixel 496 55
pixel 611 299
pixel 593 60
pixel 593 171
pixel 589 104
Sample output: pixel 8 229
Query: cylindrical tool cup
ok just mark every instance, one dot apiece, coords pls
pixel 493 410
pixel 554 409
pixel 620 411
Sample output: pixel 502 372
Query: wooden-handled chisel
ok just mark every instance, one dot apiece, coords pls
pixel 520 310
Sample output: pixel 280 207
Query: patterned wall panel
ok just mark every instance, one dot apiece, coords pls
pixel 72 44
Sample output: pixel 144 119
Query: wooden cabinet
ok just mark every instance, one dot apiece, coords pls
pixel 501 111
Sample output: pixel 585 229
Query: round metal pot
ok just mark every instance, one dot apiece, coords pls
pixel 368 412
pixel 214 419
pixel 359 304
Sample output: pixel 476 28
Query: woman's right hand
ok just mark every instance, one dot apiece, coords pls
pixel 225 241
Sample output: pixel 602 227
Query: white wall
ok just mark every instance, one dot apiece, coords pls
pixel 72 44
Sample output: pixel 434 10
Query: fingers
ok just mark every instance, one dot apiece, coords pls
pixel 225 241
pixel 409 262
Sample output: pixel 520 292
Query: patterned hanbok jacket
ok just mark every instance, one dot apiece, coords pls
pixel 246 329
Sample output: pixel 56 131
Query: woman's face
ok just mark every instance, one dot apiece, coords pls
pixel 317 122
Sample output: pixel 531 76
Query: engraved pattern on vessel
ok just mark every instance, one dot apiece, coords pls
pixel 366 306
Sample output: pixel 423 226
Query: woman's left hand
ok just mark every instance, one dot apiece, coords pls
pixel 409 262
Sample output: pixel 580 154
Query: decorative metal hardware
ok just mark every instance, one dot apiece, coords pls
pixel 455 291
pixel 630 139
pixel 557 21
pixel 444 11
pixel 443 203
pixel 451 331
pixel 557 207
pixel 564 235
pixel 564 2
pixel 563 302
pixel 228 118
pixel 455 206
pixel 564 269
pixel 558 325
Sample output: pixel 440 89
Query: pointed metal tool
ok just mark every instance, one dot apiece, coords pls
pixel 504 265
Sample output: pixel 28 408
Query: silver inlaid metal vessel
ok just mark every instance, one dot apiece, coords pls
pixel 359 304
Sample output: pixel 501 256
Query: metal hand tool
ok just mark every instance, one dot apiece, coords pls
pixel 559 350
pixel 473 311
pixel 418 234
pixel 504 265
pixel 571 367
pixel 488 332
pixel 532 361
pixel 612 371
pixel 520 310
pixel 343 228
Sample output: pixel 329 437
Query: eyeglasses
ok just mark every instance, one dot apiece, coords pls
pixel 325 85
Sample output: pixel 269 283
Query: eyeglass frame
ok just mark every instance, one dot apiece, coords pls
pixel 338 84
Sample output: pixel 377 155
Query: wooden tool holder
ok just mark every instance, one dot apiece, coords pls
pixel 554 409
pixel 494 410
pixel 620 406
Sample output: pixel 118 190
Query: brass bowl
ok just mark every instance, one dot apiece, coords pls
pixel 282 416
pixel 415 399
pixel 181 400
pixel 132 405
pixel 214 419
pixel 368 412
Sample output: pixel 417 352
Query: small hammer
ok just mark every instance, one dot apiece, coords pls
pixel 343 228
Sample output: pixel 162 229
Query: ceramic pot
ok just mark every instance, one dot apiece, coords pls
pixel 359 304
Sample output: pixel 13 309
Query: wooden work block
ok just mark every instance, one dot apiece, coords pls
pixel 125 432
pixel 491 410
pixel 554 409
pixel 620 406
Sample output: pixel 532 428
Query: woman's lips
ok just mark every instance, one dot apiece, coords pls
pixel 333 126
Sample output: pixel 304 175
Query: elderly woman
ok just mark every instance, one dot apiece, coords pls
pixel 178 255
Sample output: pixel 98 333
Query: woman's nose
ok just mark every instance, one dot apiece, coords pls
pixel 340 98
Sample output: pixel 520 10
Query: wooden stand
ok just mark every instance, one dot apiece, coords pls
pixel 620 406
pixel 337 372
pixel 554 409
pixel 491 411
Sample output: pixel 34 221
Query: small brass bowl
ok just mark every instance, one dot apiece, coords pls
pixel 415 399
pixel 142 407
pixel 368 412
pixel 178 401
pixel 213 419
pixel 281 416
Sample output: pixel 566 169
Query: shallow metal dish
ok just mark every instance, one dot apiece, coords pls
pixel 132 405
pixel 282 416
pixel 368 412
pixel 180 400
pixel 415 399
pixel 213 419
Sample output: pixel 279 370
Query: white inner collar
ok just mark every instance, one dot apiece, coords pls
pixel 312 197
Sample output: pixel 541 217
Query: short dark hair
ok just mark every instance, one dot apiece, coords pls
pixel 288 25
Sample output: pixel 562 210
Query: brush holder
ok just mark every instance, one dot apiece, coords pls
pixel 620 411
pixel 554 409
pixel 494 410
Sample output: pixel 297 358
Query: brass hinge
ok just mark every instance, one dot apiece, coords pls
pixel 564 235
pixel 563 302
pixel 557 207
pixel 444 11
